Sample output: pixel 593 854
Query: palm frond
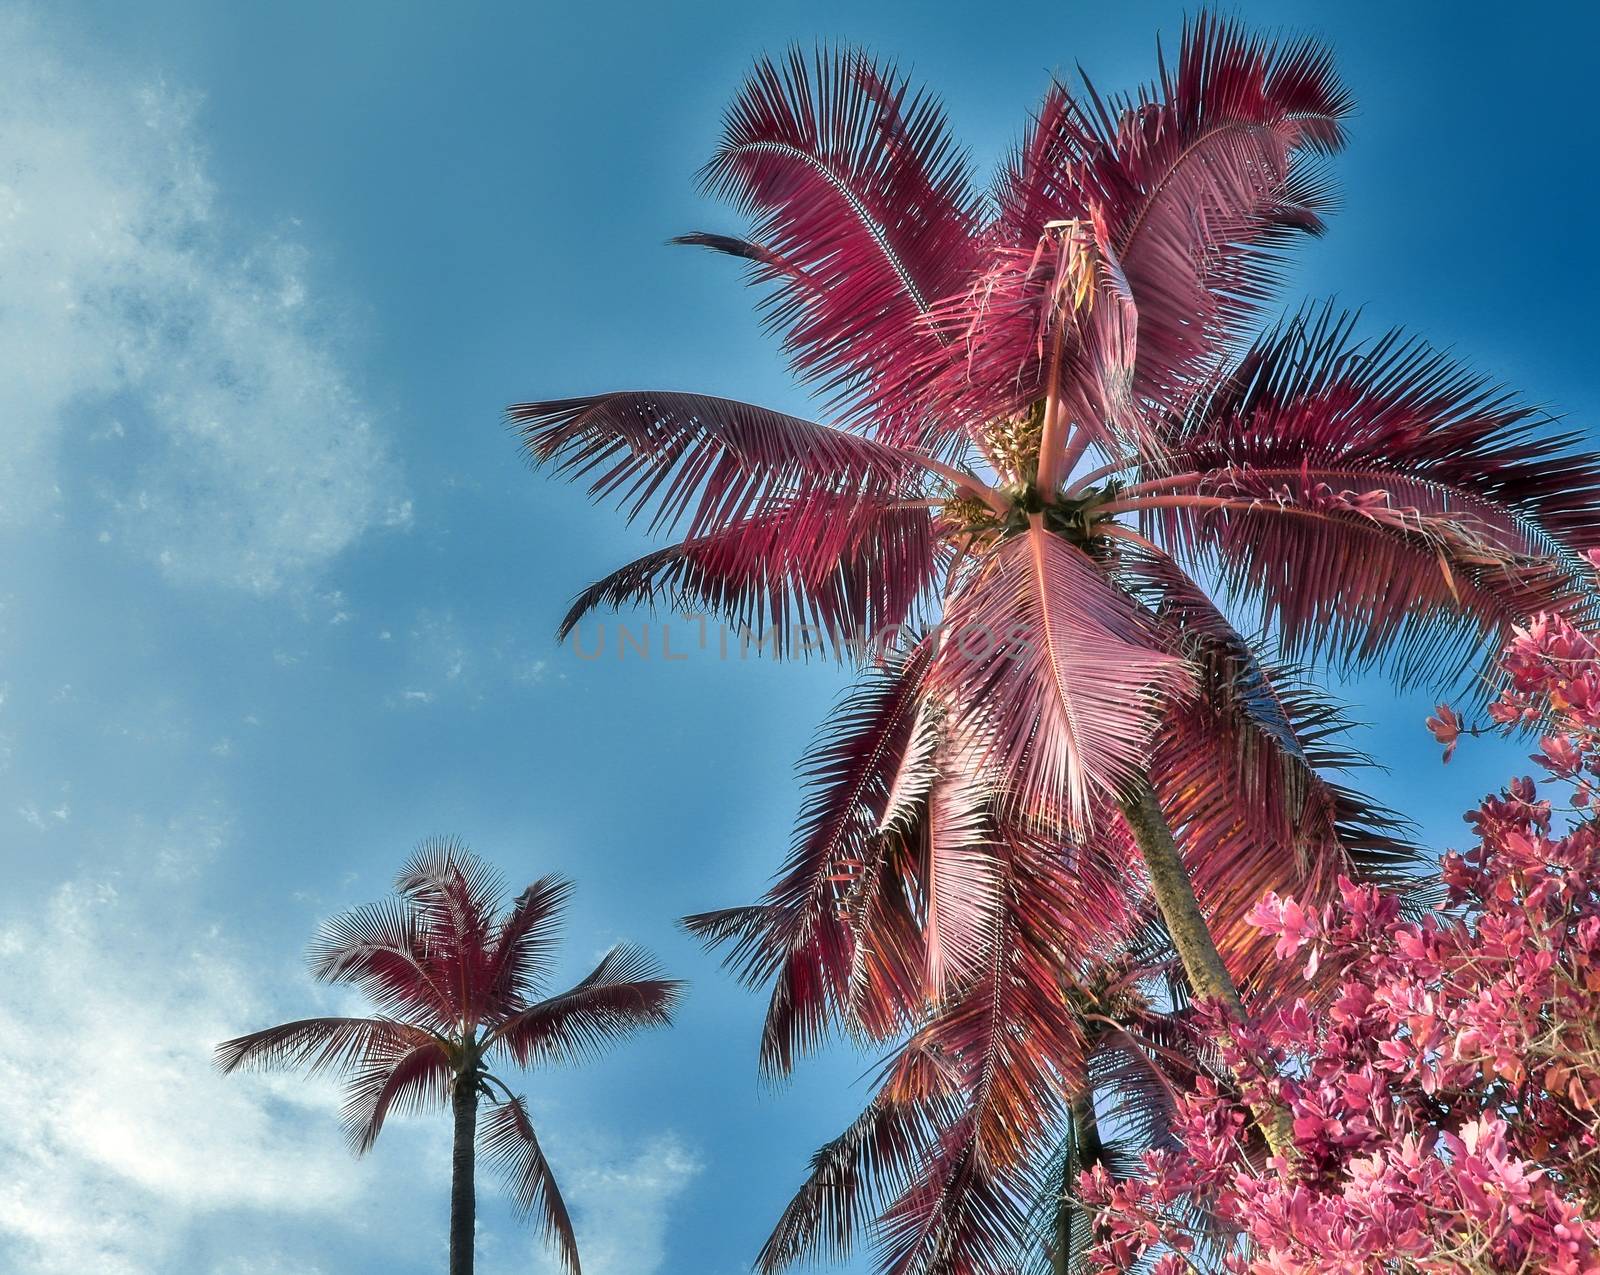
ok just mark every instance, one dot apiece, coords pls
pixel 805 945
pixel 851 1178
pixel 509 1141
pixel 957 1215
pixel 1243 773
pixel 824 570
pixel 853 182
pixel 314 1044
pixel 1057 1227
pixel 708 462
pixel 383 949
pixel 938 1165
pixel 523 944
pixel 457 896
pixel 1378 503
pixel 1038 182
pixel 964 884
pixel 1060 673
pixel 998 1061
pixel 1203 179
pixel 1059 310
pixel 622 995
pixel 886 991
pixel 406 1077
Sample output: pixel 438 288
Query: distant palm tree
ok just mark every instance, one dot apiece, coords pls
pixel 455 976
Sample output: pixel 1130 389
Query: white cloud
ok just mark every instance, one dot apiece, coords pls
pixel 530 672
pixel 270 1265
pixel 48 816
pixel 177 359
pixel 462 663
pixel 116 1132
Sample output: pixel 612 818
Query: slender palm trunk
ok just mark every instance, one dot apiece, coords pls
pixel 1208 976
pixel 1071 1222
pixel 463 1200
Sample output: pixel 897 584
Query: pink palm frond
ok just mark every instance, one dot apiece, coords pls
pixel 383 949
pixel 821 570
pixel 314 1045
pixel 1375 500
pixel 998 1059
pixel 456 895
pixel 622 994
pixel 856 187
pixel 851 1179
pixel 944 1159
pixel 1059 672
pixel 963 877
pixel 1243 771
pixel 718 457
pixel 1039 182
pixel 509 1141
pixel 409 1076
pixel 995 335
pixel 1254 810
pixel 522 949
pixel 1056 312
pixel 800 935
pixel 887 983
pixel 1202 179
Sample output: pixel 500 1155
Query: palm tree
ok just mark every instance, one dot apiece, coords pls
pixel 1058 426
pixel 457 977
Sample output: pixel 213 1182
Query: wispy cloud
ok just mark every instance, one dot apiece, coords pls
pixel 178 359
pixel 117 1135
pixel 451 661
pixel 622 1206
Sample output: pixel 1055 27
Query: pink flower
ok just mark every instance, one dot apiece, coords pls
pixel 1559 755
pixel 1294 924
pixel 1446 728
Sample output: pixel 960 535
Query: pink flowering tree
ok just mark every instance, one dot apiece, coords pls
pixel 1442 1073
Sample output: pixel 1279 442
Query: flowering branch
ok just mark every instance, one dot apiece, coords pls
pixel 1442 1073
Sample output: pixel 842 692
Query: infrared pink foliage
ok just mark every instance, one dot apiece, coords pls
pixel 1446 1092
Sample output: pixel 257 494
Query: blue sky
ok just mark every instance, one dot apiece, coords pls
pixel 277 595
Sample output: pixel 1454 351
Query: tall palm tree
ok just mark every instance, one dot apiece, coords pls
pixel 457 977
pixel 1058 426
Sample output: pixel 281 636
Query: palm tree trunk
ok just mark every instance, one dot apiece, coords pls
pixel 1085 1150
pixel 1202 963
pixel 463 1199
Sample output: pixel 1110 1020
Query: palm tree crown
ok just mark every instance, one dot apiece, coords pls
pixel 1061 426
pixel 458 980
